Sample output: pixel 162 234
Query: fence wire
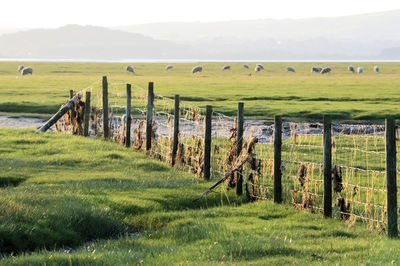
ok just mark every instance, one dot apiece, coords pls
pixel 358 153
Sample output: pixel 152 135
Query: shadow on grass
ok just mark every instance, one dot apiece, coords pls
pixel 7 181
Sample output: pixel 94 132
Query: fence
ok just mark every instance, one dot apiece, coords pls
pixel 341 170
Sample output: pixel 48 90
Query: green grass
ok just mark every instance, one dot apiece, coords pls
pixel 72 200
pixel 273 91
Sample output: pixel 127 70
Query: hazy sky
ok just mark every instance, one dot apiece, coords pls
pixel 54 13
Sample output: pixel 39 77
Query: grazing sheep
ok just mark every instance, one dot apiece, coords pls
pixel 246 66
pixel 197 69
pixel 169 67
pixel 261 66
pixel 258 68
pixel 227 67
pixel 20 68
pixel 360 70
pixel 376 69
pixel 290 69
pixel 316 69
pixel 325 70
pixel 26 71
pixel 130 69
pixel 351 69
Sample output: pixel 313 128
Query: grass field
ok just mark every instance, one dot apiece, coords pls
pixel 72 200
pixel 273 91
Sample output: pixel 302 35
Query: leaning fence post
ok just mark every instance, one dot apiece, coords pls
pixel 106 130
pixel 327 166
pixel 176 130
pixel 239 144
pixel 391 177
pixel 87 115
pixel 149 120
pixel 278 160
pixel 128 116
pixel 207 143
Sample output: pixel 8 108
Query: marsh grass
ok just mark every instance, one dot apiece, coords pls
pixel 270 92
pixel 86 201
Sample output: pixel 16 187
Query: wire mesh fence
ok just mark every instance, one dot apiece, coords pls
pixel 358 153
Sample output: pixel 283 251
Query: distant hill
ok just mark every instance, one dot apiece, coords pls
pixel 355 37
pixel 368 36
pixel 83 42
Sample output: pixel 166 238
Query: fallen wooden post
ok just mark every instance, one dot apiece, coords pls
pixel 69 105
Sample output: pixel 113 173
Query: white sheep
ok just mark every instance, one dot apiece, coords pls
pixel 130 69
pixel 360 70
pixel 197 69
pixel 377 69
pixel 257 68
pixel 316 69
pixel 26 71
pixel 351 69
pixel 326 70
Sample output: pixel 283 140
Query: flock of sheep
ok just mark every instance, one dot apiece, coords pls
pixel 198 69
pixel 259 67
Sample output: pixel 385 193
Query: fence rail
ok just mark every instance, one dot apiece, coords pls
pixel 341 170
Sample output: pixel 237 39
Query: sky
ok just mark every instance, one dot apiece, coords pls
pixel 55 13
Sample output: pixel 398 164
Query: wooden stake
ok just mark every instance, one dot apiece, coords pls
pixel 149 120
pixel 278 160
pixel 391 177
pixel 87 115
pixel 128 116
pixel 327 166
pixel 207 143
pixel 106 129
pixel 239 144
pixel 176 130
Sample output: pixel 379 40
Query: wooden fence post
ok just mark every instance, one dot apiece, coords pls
pixel 278 160
pixel 239 144
pixel 207 143
pixel 106 129
pixel 149 120
pixel 391 185
pixel 64 109
pixel 128 116
pixel 327 166
pixel 87 115
pixel 71 95
pixel 176 130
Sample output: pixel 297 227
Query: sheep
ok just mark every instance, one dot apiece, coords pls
pixel 258 68
pixel 246 66
pixel 130 69
pixel 290 69
pixel 325 70
pixel 261 66
pixel 316 69
pixel 26 71
pixel 360 70
pixel 197 69
pixel 20 68
pixel 351 69
pixel 169 67
pixel 376 69
pixel 227 67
